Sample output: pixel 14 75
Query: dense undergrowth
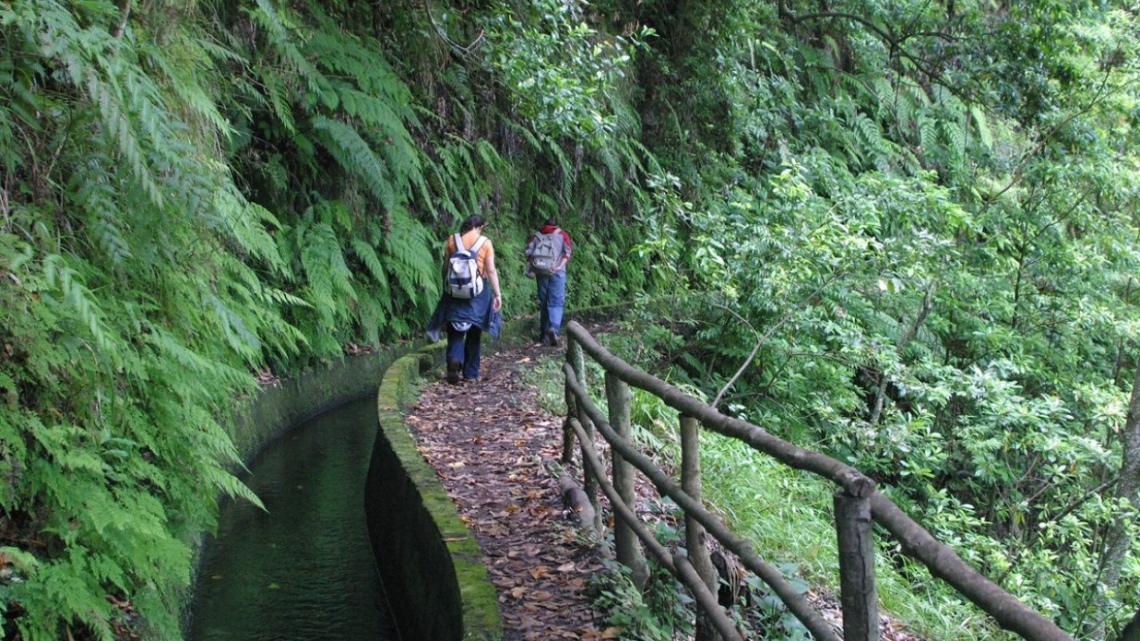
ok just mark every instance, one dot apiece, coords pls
pixel 899 232
pixel 196 193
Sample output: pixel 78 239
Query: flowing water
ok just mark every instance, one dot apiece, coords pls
pixel 302 569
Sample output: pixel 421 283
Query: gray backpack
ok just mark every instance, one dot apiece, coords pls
pixel 463 279
pixel 547 252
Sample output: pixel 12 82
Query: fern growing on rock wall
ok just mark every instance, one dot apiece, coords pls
pixel 129 321
pixel 327 145
pixel 194 192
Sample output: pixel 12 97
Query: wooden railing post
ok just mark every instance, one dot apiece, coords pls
pixel 694 531
pixel 572 348
pixel 856 568
pixel 577 359
pixel 626 546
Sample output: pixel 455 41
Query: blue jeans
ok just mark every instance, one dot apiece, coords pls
pixel 551 301
pixel 465 348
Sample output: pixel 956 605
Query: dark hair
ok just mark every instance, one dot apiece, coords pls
pixel 473 221
pixel 551 222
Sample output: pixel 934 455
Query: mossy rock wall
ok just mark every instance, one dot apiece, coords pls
pixel 420 542
pixel 286 404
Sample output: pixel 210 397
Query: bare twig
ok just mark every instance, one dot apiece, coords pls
pixel 1019 172
pixel 5 209
pixel 765 337
pixel 465 50
pixel 1056 519
pixel 904 338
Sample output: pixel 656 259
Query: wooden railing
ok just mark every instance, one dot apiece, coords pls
pixel 857 505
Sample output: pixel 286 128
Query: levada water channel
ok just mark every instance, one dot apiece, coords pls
pixel 303 568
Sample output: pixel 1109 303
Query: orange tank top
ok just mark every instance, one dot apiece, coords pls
pixel 469 239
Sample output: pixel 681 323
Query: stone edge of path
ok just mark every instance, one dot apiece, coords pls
pixel 446 592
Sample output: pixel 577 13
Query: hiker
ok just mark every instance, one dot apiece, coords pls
pixel 471 299
pixel 546 257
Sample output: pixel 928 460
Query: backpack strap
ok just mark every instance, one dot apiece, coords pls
pixel 475 247
pixel 459 243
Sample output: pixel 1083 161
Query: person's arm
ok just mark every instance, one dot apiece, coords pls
pixel 567 248
pixel 447 252
pixel 493 278
pixel 527 255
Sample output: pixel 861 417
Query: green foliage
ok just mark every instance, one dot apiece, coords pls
pixel 206 191
pixel 903 231
pixel 918 269
pixel 561 70
pixel 128 328
pixel 327 141
pixel 618 597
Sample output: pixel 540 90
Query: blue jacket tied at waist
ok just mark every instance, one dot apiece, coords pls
pixel 474 311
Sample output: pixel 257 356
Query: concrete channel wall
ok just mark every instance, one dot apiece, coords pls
pixel 430 564
pixel 421 545
pixel 286 404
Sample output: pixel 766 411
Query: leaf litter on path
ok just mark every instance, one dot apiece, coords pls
pixel 488 441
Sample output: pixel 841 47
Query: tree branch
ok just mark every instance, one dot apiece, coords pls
pixel 904 338
pixel 764 338
pixel 124 17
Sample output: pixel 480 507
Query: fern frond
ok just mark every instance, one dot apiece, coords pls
pixel 927 132
pixel 356 157
pixel 981 124
pixel 119 128
pixel 183 81
pixel 955 136
pixel 371 317
pixel 329 281
pixel 94 194
pixel 277 95
pixel 279 29
pixel 367 254
pixel 408 254
pixel 74 293
pixel 248 225
pixel 239 336
pixel 196 365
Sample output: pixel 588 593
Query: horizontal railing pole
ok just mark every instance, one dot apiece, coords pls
pixel 847 477
pixel 820 629
pixel 1010 613
pixel 944 563
pixel 676 564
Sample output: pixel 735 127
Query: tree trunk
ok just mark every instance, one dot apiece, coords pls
pixel 1118 541
pixel 124 17
pixel 1131 632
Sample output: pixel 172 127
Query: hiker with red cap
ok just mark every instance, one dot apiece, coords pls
pixel 546 257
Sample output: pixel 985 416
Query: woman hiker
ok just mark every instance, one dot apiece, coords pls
pixel 471 299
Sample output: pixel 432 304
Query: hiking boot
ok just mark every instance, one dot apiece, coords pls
pixel 453 368
pixel 551 338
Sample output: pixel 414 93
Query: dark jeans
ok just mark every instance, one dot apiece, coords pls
pixel 551 300
pixel 465 348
